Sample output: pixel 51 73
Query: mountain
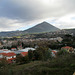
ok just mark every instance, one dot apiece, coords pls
pixel 42 27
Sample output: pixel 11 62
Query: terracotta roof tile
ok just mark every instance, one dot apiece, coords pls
pixel 24 53
pixel 66 47
pixel 9 54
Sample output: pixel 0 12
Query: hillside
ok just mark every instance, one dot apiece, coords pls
pixel 10 33
pixel 71 31
pixel 60 66
pixel 42 27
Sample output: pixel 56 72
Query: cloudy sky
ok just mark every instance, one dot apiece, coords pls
pixel 23 14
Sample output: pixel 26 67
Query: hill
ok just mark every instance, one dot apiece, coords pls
pixel 61 66
pixel 41 28
pixel 71 31
pixel 10 33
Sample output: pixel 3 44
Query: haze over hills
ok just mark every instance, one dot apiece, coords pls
pixel 40 28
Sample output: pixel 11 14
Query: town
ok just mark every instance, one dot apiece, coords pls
pixel 37 37
pixel 27 50
pixel 12 47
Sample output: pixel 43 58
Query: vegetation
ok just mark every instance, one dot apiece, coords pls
pixel 40 61
pixel 62 52
pixel 64 65
pixel 41 53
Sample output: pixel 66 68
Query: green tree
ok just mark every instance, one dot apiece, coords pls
pixel 43 53
pixel 62 52
pixel 48 55
pixel 3 63
pixel 22 60
pixel 30 54
pixel 19 59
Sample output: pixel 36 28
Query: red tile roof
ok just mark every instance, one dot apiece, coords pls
pixel 13 48
pixel 1 53
pixel 67 47
pixel 5 49
pixel 24 53
pixel 11 58
pixel 9 54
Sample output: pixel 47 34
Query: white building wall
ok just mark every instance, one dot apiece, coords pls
pixel 13 56
pixel 8 58
pixel 1 56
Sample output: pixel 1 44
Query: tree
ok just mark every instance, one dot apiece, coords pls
pixel 19 59
pixel 43 53
pixel 3 63
pixel 22 60
pixel 30 54
pixel 48 55
pixel 62 52
pixel 36 55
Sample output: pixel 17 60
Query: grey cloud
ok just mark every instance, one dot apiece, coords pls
pixel 30 11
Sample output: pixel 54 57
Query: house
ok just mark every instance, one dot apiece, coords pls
pixel 19 47
pixel 69 49
pixel 54 52
pixel 59 39
pixel 10 57
pixel 5 51
pixel 56 39
pixel 24 53
pixel 27 49
pixel 1 56
pixel 13 49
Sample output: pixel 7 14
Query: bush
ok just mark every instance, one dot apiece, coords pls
pixel 62 52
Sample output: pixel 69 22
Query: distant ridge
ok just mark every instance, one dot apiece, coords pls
pixel 39 28
pixel 71 30
pixel 42 27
